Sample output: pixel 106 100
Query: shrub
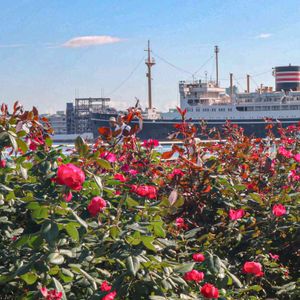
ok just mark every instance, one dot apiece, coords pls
pixel 124 222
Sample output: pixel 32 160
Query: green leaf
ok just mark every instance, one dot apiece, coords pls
pixel 130 202
pixel 13 141
pixel 22 145
pixel 133 265
pixel 184 268
pixel 72 231
pixel 29 278
pixel 147 241
pixel 98 182
pixel 50 231
pixel 82 222
pixel 40 213
pixel 104 164
pixel 59 288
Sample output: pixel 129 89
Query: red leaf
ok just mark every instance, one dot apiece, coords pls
pixel 207 189
pixel 167 154
pixel 105 131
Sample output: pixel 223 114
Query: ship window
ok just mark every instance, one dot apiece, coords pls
pixel 229 109
pixel 250 108
pixel 240 108
pixel 294 107
pixel 198 109
pixel 213 109
pixel 205 109
pixel 221 109
pixel 257 108
pixel 276 107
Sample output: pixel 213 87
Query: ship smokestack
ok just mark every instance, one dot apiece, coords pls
pixel 248 83
pixel 217 65
pixel 231 84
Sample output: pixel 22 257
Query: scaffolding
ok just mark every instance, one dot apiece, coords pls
pixel 83 110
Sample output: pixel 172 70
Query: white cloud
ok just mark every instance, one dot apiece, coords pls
pixel 264 36
pixel 92 40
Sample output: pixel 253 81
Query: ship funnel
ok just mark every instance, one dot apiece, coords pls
pixel 287 78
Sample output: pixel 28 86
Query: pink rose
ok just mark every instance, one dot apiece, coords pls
pixel 284 152
pixel 194 275
pixel 105 287
pixel 198 257
pixel 68 197
pixel 108 156
pixel 252 267
pixel 51 294
pixel 71 176
pixel 278 210
pixel 180 223
pixel 274 256
pixel 236 214
pixel 209 291
pixel 110 296
pixel 297 157
pixel 96 205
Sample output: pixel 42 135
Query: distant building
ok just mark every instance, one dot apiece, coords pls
pixel 57 121
pixel 79 116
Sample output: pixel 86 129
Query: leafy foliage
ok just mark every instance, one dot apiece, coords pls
pixel 137 242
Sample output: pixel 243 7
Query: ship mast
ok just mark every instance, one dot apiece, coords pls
pixel 217 65
pixel 149 63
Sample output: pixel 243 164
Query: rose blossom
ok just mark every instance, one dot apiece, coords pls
pixel 194 275
pixel 180 223
pixel 198 257
pixel 147 191
pixel 110 296
pixel 236 214
pixel 284 152
pixel 209 291
pixel 2 163
pixel 51 294
pixel 253 267
pixel 297 157
pixel 68 197
pixel 150 143
pixel 96 205
pixel 108 156
pixel 274 256
pixel 71 176
pixel 105 287
pixel 120 177
pixel 278 210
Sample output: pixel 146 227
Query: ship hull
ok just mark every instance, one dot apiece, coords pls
pixel 161 129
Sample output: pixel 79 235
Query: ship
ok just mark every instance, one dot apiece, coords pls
pixel 206 102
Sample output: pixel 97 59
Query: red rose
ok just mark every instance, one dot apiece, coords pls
pixel 209 291
pixel 252 267
pixel 2 163
pixel 144 191
pixel 105 287
pixel 71 176
pixel 279 210
pixel 150 143
pixel 198 257
pixel 96 205
pixel 180 223
pixel 120 177
pixel 68 197
pixel 51 294
pixel 110 296
pixel 236 214
pixel 194 275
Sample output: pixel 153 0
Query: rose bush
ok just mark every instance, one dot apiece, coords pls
pixel 125 222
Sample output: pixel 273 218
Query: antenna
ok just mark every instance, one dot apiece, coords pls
pixel 217 65
pixel 149 63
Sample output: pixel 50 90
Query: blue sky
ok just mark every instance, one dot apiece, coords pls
pixel 41 66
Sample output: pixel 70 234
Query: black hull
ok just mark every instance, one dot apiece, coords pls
pixel 161 129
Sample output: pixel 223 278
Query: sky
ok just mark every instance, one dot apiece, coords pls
pixel 54 51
